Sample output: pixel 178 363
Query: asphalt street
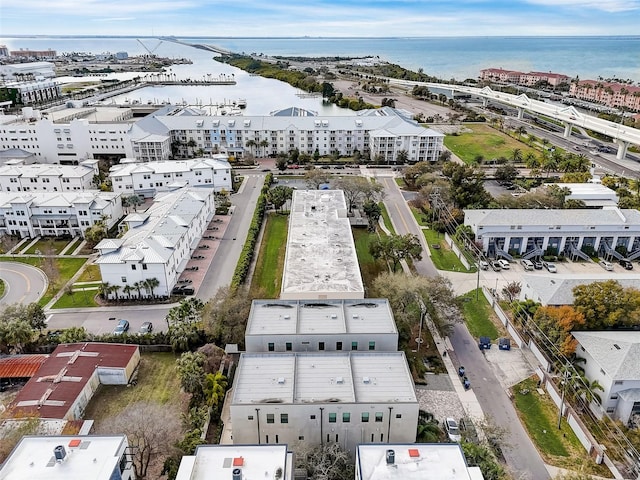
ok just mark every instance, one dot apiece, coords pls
pixel 23 283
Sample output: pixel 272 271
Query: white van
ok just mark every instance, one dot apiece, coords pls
pixel 527 264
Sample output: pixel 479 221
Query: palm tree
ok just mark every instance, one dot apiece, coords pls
pixel 402 157
pixel 251 144
pixel 104 289
pixel 531 160
pixel 127 289
pixel 115 289
pixel 191 144
pixel 139 286
pixel 215 386
pixel 150 284
pixel 264 144
pixel 516 155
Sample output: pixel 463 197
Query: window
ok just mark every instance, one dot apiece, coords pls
pixel 284 418
pixel 133 267
pixel 123 279
pixel 144 266
pixel 312 417
pixel 346 417
pixel 320 346
pixel 354 345
pixel 614 396
pixel 288 346
pixel 372 345
pixel 379 416
pixel 250 417
pixel 398 415
pixel 618 382
pixel 332 418
pixel 365 417
pixel 271 347
pixel 270 418
pixel 611 410
pixel 338 345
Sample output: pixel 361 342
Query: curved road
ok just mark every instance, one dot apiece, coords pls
pixel 23 283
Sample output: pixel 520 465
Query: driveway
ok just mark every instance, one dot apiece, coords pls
pixel 23 283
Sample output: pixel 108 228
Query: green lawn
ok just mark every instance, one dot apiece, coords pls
pixel 420 217
pixel 74 244
pixel 386 218
pixel 485 141
pixel 559 447
pixel 78 299
pixel 157 383
pixel 67 268
pixel 90 274
pixel 1 288
pixel 477 315
pixel 267 278
pixel 369 267
pixel 443 258
pixel 48 246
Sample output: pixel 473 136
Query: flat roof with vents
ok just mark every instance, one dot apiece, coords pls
pixel 253 461
pixel 86 457
pixel 321 261
pixel 371 315
pixel 413 462
pixel 335 377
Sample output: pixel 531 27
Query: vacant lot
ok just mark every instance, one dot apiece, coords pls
pixel 486 142
pixel 267 278
pixel 478 316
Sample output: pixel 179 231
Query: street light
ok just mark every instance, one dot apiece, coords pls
pixel 423 312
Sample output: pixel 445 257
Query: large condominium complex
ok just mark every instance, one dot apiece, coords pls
pixel 72 135
pixel 157 243
pixel 611 94
pixel 321 261
pixel 521 78
pixel 31 214
pixel 149 178
pixel 326 397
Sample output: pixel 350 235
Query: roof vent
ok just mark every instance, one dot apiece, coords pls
pixel 281 380
pixel 391 457
pixel 617 346
pixel 334 316
pixel 339 380
pixel 355 315
pixel 287 317
pixel 236 474
pixel 59 452
pixel 366 380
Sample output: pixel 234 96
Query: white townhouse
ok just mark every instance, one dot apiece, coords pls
pixel 31 214
pixel 321 325
pixel 18 71
pixel 530 232
pixel 158 243
pixel 325 397
pixel 147 179
pixel 613 359
pixel 381 133
pixel 42 177
pixel 27 93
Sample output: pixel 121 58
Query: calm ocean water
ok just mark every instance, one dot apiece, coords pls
pixel 449 57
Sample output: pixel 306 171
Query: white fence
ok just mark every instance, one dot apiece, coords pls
pixel 457 251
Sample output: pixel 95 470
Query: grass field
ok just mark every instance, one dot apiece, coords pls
pixel 157 383
pixel 477 315
pixel 369 267
pixel 45 246
pixel 267 278
pixel 386 218
pixel 559 447
pixel 67 268
pixel 79 299
pixel 443 257
pixel 90 274
pixel 73 245
pixel 1 288
pixel 485 141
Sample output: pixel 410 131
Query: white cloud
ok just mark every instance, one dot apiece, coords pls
pixel 612 6
pixel 98 8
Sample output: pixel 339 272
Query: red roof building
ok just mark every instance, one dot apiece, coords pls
pixel 21 366
pixel 66 381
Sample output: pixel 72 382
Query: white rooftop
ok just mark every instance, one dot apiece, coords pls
pixel 172 166
pixel 581 217
pixel 219 461
pixel 94 458
pixel 93 198
pixel 336 377
pixel 420 461
pixel 616 352
pixel 557 288
pixel 295 317
pixel 43 170
pixel 321 255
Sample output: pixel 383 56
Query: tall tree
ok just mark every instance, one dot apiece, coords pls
pixel 373 212
pixel 395 248
pixel 607 304
pixel 467 185
pixel 557 323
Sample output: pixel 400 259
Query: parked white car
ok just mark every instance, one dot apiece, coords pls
pixel 608 266
pixel 527 264
pixel 550 266
pixel 504 264
pixel 453 432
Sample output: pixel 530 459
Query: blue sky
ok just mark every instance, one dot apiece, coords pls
pixel 367 18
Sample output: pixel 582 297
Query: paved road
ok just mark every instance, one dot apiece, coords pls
pixel 23 283
pixel 404 222
pixel 519 451
pixel 96 320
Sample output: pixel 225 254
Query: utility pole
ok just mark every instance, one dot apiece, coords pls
pixel 564 388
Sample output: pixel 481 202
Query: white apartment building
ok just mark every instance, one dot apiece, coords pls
pixel 525 231
pixel 321 261
pixel 414 462
pixel 147 179
pixel 42 177
pixel 69 457
pixel 22 71
pixel 31 214
pixel 347 398
pixel 27 93
pixel 158 243
pixel 237 462
pixel 321 325
pixel 381 133
pixel 613 359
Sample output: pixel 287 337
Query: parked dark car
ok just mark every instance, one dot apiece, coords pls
pixel 146 327
pixel 122 327
pixel 185 281
pixel 537 264
pixel 204 246
pixel 197 257
pixel 626 264
pixel 192 269
pixel 504 344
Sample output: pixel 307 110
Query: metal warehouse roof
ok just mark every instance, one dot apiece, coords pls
pixel 21 366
